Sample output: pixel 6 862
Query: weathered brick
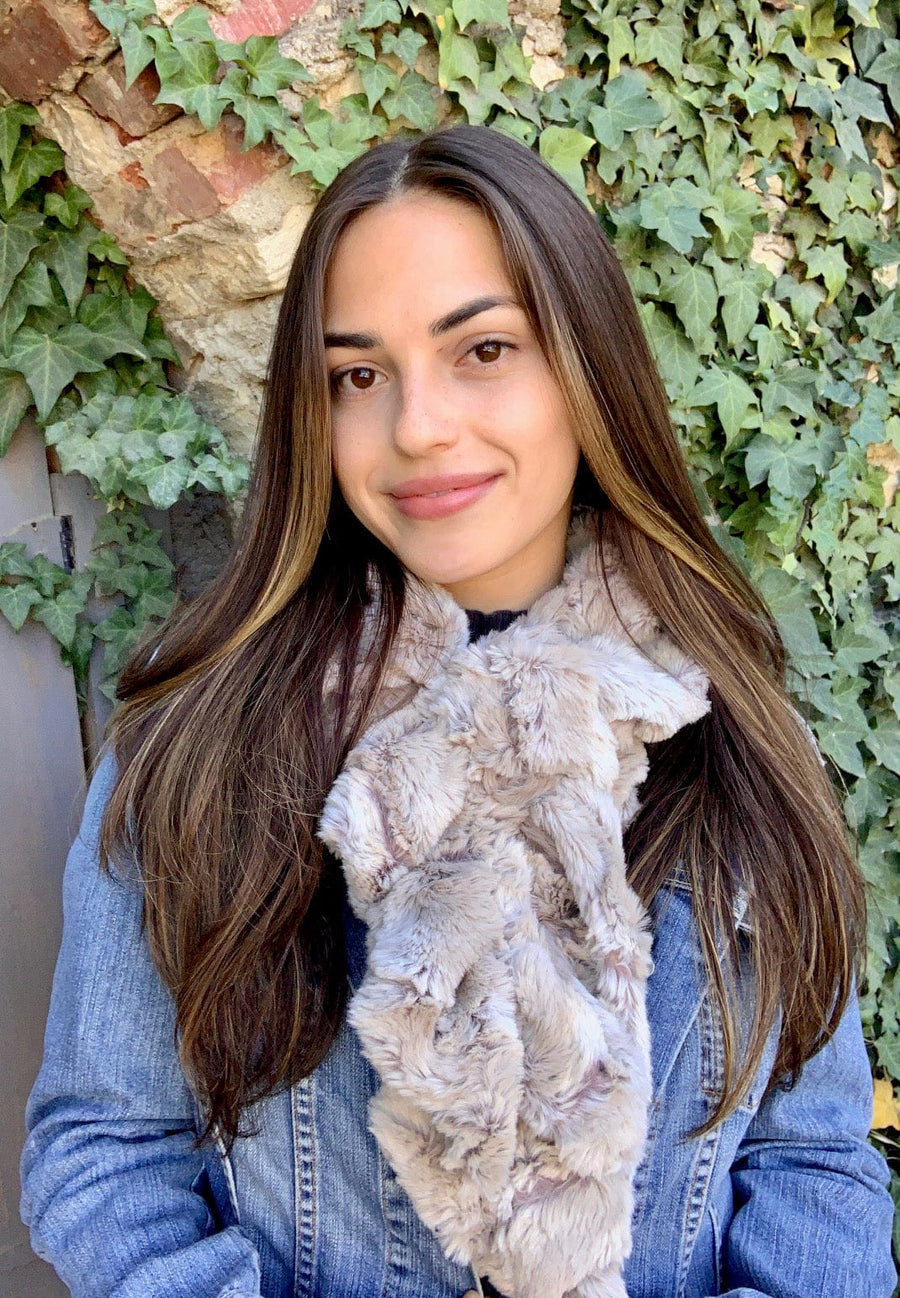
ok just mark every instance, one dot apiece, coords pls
pixel 40 42
pixel 205 172
pixel 184 190
pixel 229 169
pixel 258 18
pixel 135 176
pixel 132 109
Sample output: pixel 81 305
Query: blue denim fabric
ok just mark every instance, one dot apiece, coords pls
pixel 785 1199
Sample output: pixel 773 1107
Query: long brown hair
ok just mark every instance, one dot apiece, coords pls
pixel 225 753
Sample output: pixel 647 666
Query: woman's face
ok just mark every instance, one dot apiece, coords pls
pixel 435 373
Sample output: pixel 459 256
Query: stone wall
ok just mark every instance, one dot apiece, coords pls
pixel 209 229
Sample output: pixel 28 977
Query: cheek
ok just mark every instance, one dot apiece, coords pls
pixel 349 460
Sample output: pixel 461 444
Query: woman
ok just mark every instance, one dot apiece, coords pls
pixel 480 733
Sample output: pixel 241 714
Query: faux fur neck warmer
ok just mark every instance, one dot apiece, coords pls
pixel 480 830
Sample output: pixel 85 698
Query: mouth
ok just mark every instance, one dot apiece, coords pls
pixel 440 501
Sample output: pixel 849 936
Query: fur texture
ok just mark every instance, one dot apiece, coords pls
pixel 480 829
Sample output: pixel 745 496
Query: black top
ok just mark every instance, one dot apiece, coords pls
pixel 480 623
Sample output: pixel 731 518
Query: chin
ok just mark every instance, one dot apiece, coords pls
pixel 444 574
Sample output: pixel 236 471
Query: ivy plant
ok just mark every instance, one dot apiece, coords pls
pixel 81 348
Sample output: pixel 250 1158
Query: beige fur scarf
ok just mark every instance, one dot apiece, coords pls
pixel 480 830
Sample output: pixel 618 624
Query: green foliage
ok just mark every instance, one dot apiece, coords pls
pixel 145 450
pixel 79 346
pixel 66 311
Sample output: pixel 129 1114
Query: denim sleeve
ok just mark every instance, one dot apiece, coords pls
pixel 109 1168
pixel 812 1211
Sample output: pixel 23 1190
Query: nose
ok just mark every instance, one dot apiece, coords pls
pixel 425 418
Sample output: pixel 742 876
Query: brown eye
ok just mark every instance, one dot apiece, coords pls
pixel 365 370
pixel 492 345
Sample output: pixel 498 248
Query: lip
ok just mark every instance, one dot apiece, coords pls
pixel 462 489
pixel 441 482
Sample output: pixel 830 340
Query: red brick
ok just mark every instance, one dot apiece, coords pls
pixel 198 175
pixel 229 169
pixel 132 109
pixel 135 176
pixel 258 18
pixel 40 42
pixel 185 192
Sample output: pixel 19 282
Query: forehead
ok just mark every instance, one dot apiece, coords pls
pixel 416 250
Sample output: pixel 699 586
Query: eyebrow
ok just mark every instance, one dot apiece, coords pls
pixel 459 315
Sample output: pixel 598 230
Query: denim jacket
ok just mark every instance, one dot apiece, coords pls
pixel 784 1199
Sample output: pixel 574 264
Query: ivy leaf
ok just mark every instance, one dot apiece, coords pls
pixel 619 41
pixel 376 79
pixel 49 578
pixel 269 70
pixel 831 194
pixel 192 25
pixel 790 600
pixel 261 117
pixel 199 62
pixel 12 118
pixel 478 103
pixel 840 741
pixel 15 398
pixel 659 40
pixel 14 561
pixel 858 98
pixel 164 481
pixel 732 397
pixel 828 262
pixel 886 70
pixel 492 12
pixel 457 55
pixel 884 742
pixel 767 133
pixel 50 361
pixel 60 615
pixel 351 38
pixel 107 319
pixel 694 294
pixel 510 63
pixel 405 44
pixel 67 207
pixel 16 602
pixel 31 161
pixel 788 466
pixel 112 16
pixel 17 238
pixel 378 12
pixel 673 211
pixel 66 253
pixel 627 106
pixel 316 122
pixel 155 596
pixel 857 643
pixel 732 211
pixel 678 361
pixel 414 99
pixel 740 309
pixel 563 149
pixel 137 51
